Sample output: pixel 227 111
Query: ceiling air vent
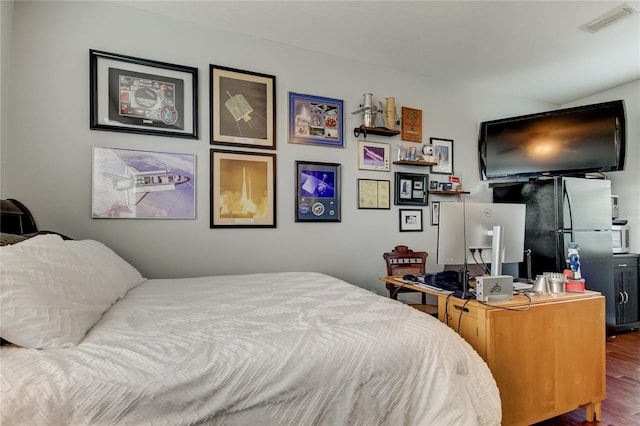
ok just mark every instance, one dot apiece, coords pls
pixel 608 18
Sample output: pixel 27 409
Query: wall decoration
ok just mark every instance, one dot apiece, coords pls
pixel 443 151
pixel 315 120
pixel 411 189
pixel 128 184
pixel 410 220
pixel 374 194
pixel 136 95
pixel 243 189
pixel 435 212
pixel 373 156
pixel 317 192
pixel 243 106
pixel 411 124
pixel 433 185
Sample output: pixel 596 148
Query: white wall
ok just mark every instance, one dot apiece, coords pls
pixel 626 183
pixel 6 19
pixel 48 144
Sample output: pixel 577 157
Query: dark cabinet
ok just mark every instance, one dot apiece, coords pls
pixel 626 272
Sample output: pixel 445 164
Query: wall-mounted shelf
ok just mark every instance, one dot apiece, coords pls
pixel 448 192
pixel 415 163
pixel 380 131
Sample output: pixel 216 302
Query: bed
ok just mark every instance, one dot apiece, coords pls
pixel 91 342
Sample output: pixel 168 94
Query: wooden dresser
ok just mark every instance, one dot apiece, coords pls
pixel 547 359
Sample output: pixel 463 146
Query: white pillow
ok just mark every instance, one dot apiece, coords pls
pixel 53 291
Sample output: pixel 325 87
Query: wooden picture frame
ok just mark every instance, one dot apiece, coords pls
pixel 374 194
pixel 373 156
pixel 243 189
pixel 317 195
pixel 314 120
pixel 411 189
pixel 134 184
pixel 443 151
pixel 410 220
pixel 411 125
pixel 134 95
pixel 243 108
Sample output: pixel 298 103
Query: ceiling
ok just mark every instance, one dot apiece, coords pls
pixel 530 49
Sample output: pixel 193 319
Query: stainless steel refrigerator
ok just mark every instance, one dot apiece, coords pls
pixel 562 210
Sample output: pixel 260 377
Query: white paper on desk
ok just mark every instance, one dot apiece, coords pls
pixel 430 287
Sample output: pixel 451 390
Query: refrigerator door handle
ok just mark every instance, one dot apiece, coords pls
pixel 621 298
pixel 626 298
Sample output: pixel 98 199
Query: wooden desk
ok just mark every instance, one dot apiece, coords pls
pixel 547 360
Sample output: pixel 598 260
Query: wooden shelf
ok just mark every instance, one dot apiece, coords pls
pixel 448 192
pixel 380 131
pixel 415 163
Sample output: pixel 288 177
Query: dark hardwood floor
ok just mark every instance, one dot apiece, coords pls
pixel 622 404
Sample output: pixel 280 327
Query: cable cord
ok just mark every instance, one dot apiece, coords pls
pixel 520 308
pixel 461 312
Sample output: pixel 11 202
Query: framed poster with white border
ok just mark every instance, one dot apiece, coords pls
pixel 410 220
pixel 443 151
pixel 243 108
pixel 135 95
pixel 373 156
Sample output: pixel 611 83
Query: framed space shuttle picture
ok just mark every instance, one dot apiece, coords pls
pixel 132 184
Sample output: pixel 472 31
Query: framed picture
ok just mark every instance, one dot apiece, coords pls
pixel 411 189
pixel 443 151
pixel 317 192
pixel 374 194
pixel 410 220
pixel 435 212
pixel 136 95
pixel 243 106
pixel 129 184
pixel 411 125
pixel 373 156
pixel 433 185
pixel 243 189
pixel 316 121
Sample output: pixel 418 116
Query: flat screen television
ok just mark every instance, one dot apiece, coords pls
pixel 565 142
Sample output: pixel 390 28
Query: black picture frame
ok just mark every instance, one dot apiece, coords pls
pixel 317 192
pixel 135 95
pixel 243 189
pixel 410 220
pixel 443 151
pixel 242 107
pixel 411 189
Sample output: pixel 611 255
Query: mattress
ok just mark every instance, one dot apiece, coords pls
pixel 268 349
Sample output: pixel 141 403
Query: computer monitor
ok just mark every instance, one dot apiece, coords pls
pixel 467 228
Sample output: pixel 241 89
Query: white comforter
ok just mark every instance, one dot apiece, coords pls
pixel 263 349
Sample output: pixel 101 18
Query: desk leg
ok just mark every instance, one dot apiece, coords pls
pixel 594 411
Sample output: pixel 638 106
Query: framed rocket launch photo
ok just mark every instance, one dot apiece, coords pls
pixel 243 189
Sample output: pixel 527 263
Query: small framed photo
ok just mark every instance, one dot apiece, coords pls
pixel 243 189
pixel 131 184
pixel 410 220
pixel 374 194
pixel 142 96
pixel 443 151
pixel 433 185
pixel 373 156
pixel 411 124
pixel 317 192
pixel 435 212
pixel 411 189
pixel 243 106
pixel 314 120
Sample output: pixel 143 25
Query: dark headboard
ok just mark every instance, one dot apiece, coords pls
pixel 15 218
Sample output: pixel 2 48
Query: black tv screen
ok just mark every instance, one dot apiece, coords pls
pixel 571 141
